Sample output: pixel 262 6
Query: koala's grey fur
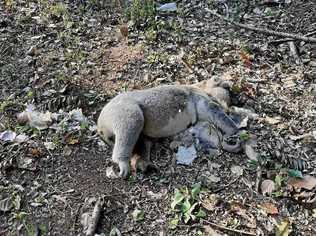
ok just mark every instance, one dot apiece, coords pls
pixel 158 112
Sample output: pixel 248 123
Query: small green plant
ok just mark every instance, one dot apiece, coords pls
pixel 62 77
pixel 186 203
pixel 142 12
pixel 8 103
pixel 151 34
pixel 30 94
pixel 57 11
pixel 244 136
pixel 268 12
pixel 252 164
pixel 157 57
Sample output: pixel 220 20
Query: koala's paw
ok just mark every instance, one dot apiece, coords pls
pixel 124 169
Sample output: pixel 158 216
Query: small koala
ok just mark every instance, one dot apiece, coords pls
pixel 160 112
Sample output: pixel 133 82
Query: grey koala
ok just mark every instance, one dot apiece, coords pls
pixel 160 112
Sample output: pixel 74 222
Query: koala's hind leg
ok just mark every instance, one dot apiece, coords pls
pixel 143 149
pixel 127 127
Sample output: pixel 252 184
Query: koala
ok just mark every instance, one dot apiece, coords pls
pixel 216 88
pixel 159 112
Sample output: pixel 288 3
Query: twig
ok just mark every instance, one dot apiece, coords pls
pixel 256 80
pixel 265 31
pixel 280 41
pixel 229 229
pixel 95 218
pixel 258 178
pixel 186 65
pixel 294 53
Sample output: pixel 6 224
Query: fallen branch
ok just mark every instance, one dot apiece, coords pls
pixel 95 218
pixel 265 31
pixel 229 229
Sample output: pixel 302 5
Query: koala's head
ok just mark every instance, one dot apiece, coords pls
pixel 216 88
pixel 208 85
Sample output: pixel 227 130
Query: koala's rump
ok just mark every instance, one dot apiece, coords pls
pixel 167 110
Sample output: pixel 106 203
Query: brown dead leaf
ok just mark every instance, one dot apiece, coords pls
pixel 35 152
pixel 269 208
pixel 267 187
pixel 308 182
pixel 124 30
pixel 239 209
pixel 249 90
pixel 210 202
pixel 245 58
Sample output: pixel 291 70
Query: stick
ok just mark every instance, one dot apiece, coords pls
pixel 280 41
pixel 258 178
pixel 265 31
pixel 94 218
pixel 294 52
pixel 229 229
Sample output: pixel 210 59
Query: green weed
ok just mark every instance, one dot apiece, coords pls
pixel 186 205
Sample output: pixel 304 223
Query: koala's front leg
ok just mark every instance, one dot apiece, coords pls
pixel 214 113
pixel 128 127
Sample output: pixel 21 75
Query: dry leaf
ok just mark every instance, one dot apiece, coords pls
pixel 110 173
pixel 209 231
pixel 35 152
pixel 308 182
pixel 288 83
pixel 267 187
pixel 237 170
pixel 210 202
pixel 283 229
pixel 249 90
pixel 72 141
pixel 273 120
pixel 239 209
pixel 269 208
pixel 124 30
pixel 246 58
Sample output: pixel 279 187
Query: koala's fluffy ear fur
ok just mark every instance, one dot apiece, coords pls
pixel 217 88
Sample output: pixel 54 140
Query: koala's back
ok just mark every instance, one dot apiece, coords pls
pixel 167 109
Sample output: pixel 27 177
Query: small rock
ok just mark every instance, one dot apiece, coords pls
pixel 186 155
pixel 7 136
pixel 110 173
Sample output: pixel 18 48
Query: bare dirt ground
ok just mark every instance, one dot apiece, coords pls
pixel 62 56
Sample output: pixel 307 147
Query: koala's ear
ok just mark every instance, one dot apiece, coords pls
pixel 200 85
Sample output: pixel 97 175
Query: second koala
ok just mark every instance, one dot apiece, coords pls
pixel 158 112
